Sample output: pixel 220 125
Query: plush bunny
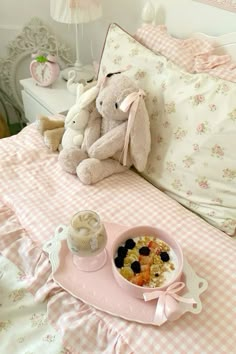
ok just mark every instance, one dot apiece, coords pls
pixel 63 132
pixel 76 121
pixel 117 135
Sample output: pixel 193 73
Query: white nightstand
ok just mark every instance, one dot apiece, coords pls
pixel 47 101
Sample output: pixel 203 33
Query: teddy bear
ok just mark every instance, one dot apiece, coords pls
pixel 52 130
pixel 117 135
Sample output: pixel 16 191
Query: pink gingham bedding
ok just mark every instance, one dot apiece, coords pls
pixel 191 54
pixel 36 196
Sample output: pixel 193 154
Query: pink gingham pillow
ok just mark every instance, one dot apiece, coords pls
pixel 191 54
pixel 181 51
pixel 220 66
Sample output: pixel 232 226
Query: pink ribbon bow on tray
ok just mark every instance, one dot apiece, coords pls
pixel 131 103
pixel 167 305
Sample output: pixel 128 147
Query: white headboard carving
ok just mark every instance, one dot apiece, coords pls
pixel 35 36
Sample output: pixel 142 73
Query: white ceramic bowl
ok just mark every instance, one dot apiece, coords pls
pixel 136 290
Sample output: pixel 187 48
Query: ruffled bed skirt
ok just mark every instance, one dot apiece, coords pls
pixel 83 328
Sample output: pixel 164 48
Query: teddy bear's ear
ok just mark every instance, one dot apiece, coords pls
pixel 140 137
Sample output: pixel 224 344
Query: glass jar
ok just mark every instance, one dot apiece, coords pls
pixel 86 239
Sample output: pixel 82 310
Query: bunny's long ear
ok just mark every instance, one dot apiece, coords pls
pixel 79 91
pixel 84 98
pixel 88 97
pixel 140 137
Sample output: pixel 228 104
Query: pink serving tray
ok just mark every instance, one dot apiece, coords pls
pixel 100 289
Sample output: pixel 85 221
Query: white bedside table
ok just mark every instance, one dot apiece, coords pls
pixel 47 101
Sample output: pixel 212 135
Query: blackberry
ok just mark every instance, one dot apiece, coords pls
pixel 144 251
pixel 164 256
pixel 130 244
pixel 122 252
pixel 119 262
pixel 135 266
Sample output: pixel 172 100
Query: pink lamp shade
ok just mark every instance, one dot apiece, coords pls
pixel 75 11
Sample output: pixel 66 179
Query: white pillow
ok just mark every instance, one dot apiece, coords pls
pixel 193 127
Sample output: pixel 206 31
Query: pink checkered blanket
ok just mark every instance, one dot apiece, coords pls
pixel 36 196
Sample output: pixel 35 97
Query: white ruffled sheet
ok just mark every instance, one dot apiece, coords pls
pixel 24 326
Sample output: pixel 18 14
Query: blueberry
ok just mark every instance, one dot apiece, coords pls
pixel 144 251
pixel 135 266
pixel 130 244
pixel 122 252
pixel 119 262
pixel 164 256
pixel 156 275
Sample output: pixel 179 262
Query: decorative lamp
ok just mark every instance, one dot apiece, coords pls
pixel 76 12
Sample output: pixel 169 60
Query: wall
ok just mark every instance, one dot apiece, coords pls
pixel 11 23
pixel 182 17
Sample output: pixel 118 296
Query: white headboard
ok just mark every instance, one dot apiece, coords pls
pixel 224 44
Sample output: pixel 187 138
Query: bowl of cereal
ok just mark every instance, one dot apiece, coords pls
pixel 146 258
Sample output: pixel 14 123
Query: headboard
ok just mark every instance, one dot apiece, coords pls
pixel 224 44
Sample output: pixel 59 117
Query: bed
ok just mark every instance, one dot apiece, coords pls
pixel 37 313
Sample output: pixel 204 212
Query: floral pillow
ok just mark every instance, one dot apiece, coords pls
pixel 193 127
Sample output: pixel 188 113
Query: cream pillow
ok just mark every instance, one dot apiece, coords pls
pixel 193 127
